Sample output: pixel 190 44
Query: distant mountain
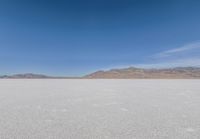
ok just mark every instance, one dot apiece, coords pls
pixel 25 76
pixel 34 76
pixel 125 73
pixel 140 73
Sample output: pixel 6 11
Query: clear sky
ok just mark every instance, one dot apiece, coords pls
pixel 74 37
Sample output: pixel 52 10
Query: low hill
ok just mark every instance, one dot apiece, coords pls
pixel 34 76
pixel 140 73
pixel 25 76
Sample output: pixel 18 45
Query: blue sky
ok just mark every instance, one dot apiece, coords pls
pixel 75 37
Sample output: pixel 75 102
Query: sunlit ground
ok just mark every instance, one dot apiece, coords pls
pixel 99 109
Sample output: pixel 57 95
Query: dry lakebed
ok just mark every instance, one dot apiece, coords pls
pixel 99 109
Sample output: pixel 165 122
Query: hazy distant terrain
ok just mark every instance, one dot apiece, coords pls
pixel 126 73
pixel 99 109
pixel 139 73
pixel 27 76
pixel 34 76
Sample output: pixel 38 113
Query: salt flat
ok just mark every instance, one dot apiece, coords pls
pixel 99 109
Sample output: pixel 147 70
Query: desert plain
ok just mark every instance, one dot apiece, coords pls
pixel 99 109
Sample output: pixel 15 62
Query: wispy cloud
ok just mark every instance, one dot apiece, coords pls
pixel 185 48
pixel 186 55
pixel 187 62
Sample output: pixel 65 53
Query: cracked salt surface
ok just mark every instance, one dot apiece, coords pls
pixel 100 109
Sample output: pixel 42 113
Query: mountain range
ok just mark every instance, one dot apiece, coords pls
pixel 124 73
pixel 140 73
pixel 25 76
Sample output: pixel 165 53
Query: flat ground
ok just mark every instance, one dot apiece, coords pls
pixel 99 109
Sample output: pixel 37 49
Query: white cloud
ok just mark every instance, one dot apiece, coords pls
pixel 175 51
pixel 186 56
pixel 187 62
